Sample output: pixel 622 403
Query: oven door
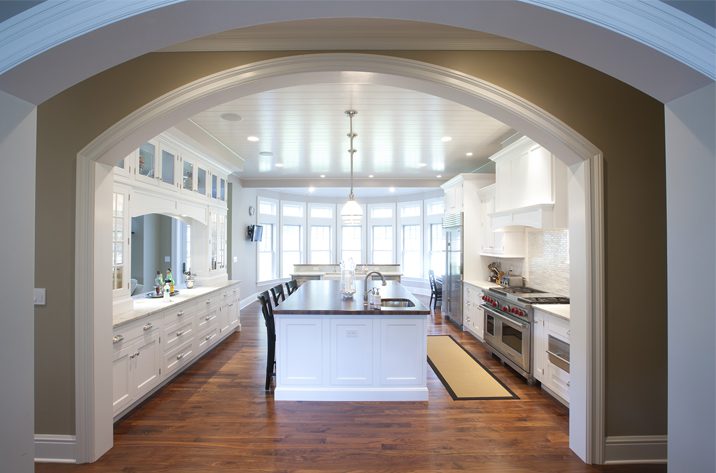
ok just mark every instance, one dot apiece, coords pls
pixel 511 338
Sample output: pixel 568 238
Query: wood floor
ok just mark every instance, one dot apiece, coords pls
pixel 216 417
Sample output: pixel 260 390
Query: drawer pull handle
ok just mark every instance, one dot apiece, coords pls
pixel 209 337
pixel 179 357
pixel 147 326
pixel 231 305
pixel 117 338
pixel 180 333
pixel 209 317
pixel 135 355
pixel 569 332
pixel 180 313
pixel 208 301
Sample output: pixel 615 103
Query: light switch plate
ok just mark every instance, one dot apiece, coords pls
pixel 38 296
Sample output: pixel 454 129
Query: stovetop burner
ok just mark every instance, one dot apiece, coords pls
pixel 516 290
pixel 528 295
pixel 544 300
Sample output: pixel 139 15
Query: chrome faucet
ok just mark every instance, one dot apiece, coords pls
pixel 365 284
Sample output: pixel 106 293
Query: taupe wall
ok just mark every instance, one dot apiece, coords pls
pixel 625 124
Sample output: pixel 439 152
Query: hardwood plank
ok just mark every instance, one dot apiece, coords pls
pixel 217 417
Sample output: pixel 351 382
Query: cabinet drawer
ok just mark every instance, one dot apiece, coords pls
pixel 179 315
pixel 558 381
pixel 126 335
pixel 208 319
pixel 207 338
pixel 176 334
pixel 178 357
pixel 558 325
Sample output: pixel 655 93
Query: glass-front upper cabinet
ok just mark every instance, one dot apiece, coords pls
pixel 223 190
pixel 120 240
pixel 168 161
pixel 201 181
pixel 214 186
pixel 146 163
pixel 188 176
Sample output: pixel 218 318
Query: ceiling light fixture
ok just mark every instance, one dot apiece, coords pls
pixel 322 176
pixel 352 213
pixel 392 189
pixel 279 165
pixel 253 139
pixel 422 165
pixel 468 153
pixel 445 139
pixel 311 189
pixel 231 117
pixel 439 176
pixel 371 176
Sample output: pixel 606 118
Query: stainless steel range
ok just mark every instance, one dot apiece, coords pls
pixel 508 324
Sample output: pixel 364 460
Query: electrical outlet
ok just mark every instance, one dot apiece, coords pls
pixel 38 296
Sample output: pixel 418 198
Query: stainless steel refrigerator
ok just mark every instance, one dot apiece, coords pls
pixel 452 282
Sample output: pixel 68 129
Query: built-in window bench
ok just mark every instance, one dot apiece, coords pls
pixel 315 272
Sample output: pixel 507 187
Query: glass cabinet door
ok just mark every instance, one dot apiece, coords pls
pixel 201 181
pixel 119 217
pixel 188 177
pixel 146 165
pixel 223 190
pixel 168 167
pixel 214 186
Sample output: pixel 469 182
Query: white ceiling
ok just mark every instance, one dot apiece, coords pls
pixel 302 135
pixel 361 193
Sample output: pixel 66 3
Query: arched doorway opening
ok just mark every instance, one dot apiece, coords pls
pixel 94 187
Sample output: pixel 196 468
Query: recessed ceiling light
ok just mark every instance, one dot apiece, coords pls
pixel 265 153
pixel 422 165
pixel 322 176
pixel 468 153
pixel 445 139
pixel 439 176
pixel 231 117
pixel 392 189
pixel 311 189
pixel 253 138
pixel 371 176
pixel 279 165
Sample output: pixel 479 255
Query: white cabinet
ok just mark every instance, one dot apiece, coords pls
pixel 148 351
pixel 454 198
pixel 494 239
pixel 136 365
pixel 473 315
pixel 551 353
pixel 531 187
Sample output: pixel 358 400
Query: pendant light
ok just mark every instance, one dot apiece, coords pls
pixel 352 213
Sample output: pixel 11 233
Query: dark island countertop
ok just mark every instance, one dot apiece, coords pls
pixel 324 297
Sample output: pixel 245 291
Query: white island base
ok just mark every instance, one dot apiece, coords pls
pixel 366 357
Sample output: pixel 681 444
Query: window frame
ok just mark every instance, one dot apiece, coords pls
pixel 412 220
pixel 380 222
pixel 339 236
pixel 322 222
pixel 299 221
pixel 273 220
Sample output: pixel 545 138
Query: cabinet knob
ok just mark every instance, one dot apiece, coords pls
pixel 180 333
pixel 179 357
pixel 117 338
pixel 180 313
pixel 148 326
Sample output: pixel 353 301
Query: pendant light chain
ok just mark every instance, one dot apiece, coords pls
pixel 351 135
pixel 352 213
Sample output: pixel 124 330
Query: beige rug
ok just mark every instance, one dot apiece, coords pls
pixel 463 376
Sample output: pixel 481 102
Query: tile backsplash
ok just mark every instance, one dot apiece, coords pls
pixel 548 261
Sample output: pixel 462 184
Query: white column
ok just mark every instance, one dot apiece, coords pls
pixel 18 123
pixel 691 258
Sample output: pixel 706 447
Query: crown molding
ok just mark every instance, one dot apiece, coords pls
pixel 653 23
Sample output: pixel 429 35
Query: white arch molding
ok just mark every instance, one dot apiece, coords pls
pixel 93 205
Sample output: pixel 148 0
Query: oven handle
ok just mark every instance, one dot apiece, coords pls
pixel 504 318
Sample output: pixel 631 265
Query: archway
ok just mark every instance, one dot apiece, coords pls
pixel 94 187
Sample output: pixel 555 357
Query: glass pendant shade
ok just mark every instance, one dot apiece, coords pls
pixel 352 213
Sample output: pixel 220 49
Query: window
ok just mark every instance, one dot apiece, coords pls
pixel 320 244
pixel 167 167
pixel 291 248
pixel 292 210
pixel 437 249
pixel 146 159
pixel 412 256
pixel 118 221
pixel 382 244
pixel 267 208
pixel 381 212
pixel 188 178
pixel 434 207
pixel 322 211
pixel 408 211
pixel 351 243
pixel 266 258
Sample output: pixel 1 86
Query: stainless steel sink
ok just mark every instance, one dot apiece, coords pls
pixel 397 303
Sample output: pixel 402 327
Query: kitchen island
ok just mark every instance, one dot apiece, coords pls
pixel 330 349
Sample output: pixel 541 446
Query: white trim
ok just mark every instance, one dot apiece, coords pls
pixel 55 448
pixel 655 24
pixel 450 84
pixel 284 393
pixel 627 449
pixel 246 301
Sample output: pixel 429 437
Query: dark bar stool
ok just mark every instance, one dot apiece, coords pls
pixel 267 311
pixel 436 290
pixel 291 286
pixel 276 292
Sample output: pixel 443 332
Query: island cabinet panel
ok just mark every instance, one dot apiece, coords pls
pixel 402 352
pixel 300 350
pixel 351 354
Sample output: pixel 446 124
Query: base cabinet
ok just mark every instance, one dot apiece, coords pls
pixel 551 354
pixel 149 351
pixel 473 315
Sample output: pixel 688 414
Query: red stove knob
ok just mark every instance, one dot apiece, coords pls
pixel 494 303
pixel 504 307
pixel 514 310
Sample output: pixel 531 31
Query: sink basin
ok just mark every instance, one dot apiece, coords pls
pixel 397 303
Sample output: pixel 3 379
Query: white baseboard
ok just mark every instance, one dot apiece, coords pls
pixel 635 449
pixel 248 300
pixel 55 448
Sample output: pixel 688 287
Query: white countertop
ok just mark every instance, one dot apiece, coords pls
pixel 560 310
pixel 145 306
pixel 481 283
